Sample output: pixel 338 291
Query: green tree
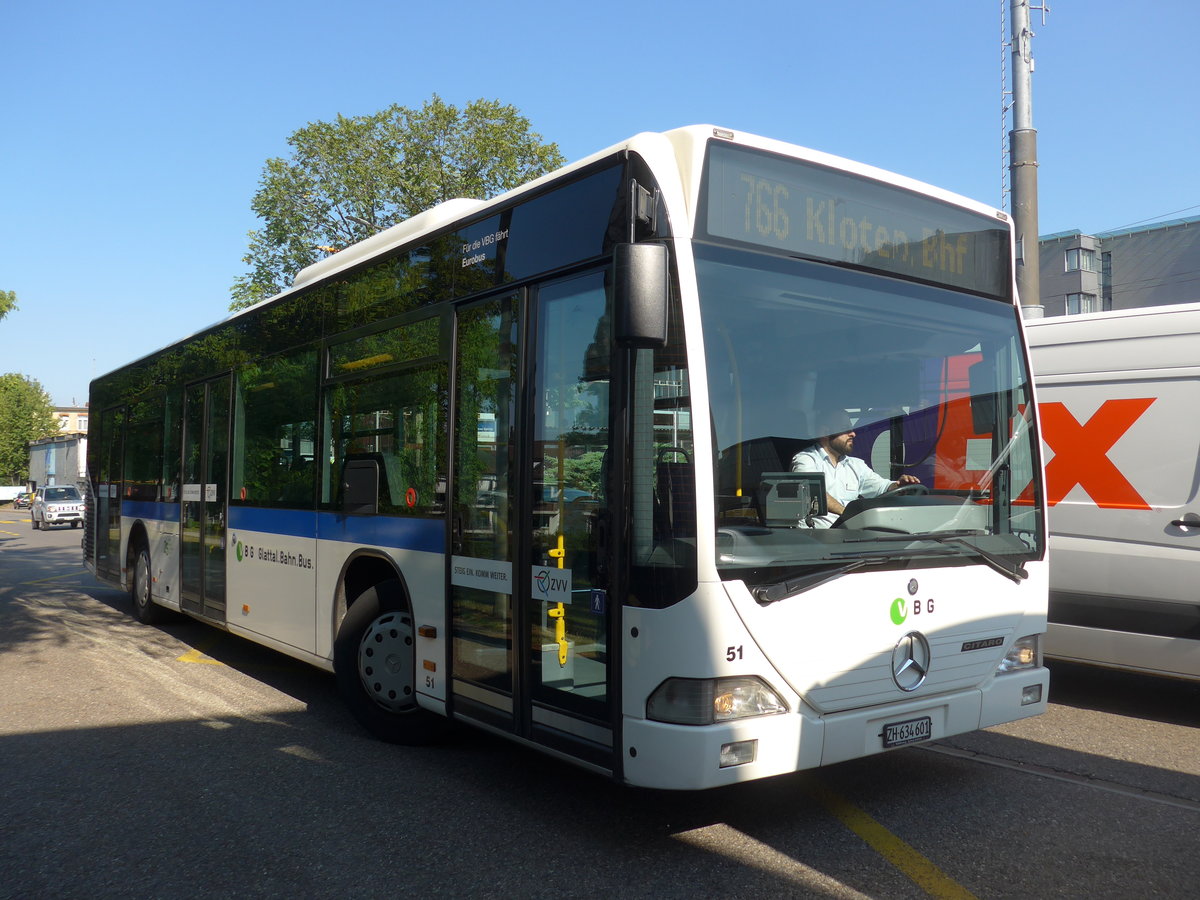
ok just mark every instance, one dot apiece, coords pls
pixel 26 414
pixel 8 302
pixel 350 178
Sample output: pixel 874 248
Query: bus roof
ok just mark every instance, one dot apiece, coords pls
pixel 685 146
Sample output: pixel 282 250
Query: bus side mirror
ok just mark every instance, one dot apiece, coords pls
pixel 642 287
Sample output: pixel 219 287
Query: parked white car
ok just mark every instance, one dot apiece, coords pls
pixel 56 505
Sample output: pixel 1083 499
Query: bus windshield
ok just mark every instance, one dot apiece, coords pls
pixel 863 420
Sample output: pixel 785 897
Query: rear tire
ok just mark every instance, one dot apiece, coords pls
pixel 374 658
pixel 145 610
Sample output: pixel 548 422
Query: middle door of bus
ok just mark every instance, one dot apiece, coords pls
pixel 204 507
pixel 529 567
pixel 107 502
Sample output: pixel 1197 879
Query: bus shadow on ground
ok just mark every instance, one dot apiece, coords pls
pixel 307 801
pixel 251 806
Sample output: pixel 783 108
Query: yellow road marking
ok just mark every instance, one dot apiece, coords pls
pixel 904 857
pixel 54 577
pixel 195 656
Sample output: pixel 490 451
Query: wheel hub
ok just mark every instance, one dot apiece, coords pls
pixel 385 662
pixel 141 579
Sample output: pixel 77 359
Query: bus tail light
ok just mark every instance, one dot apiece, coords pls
pixel 1025 653
pixel 705 701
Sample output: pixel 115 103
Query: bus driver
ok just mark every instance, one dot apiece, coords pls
pixel 847 477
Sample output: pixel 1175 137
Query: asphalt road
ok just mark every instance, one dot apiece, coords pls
pixel 180 761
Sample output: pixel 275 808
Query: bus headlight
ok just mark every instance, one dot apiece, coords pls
pixel 705 701
pixel 1025 653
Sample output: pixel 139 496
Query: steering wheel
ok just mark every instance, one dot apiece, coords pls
pixel 908 489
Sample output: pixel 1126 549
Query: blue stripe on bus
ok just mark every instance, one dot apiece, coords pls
pixel 148 509
pixel 380 531
pixel 290 522
pixel 428 535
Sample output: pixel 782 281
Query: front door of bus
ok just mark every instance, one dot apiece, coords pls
pixel 205 480
pixel 568 612
pixel 529 569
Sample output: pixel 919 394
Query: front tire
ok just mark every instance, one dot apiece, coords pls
pixel 145 610
pixel 374 658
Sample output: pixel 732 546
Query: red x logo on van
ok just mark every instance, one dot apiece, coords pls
pixel 1081 453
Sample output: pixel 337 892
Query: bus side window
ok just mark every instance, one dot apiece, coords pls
pixel 397 422
pixel 274 431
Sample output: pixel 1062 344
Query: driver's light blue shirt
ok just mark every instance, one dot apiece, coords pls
pixel 848 480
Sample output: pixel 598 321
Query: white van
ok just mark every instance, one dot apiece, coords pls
pixel 1119 403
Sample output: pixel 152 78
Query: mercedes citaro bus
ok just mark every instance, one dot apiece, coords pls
pixel 527 464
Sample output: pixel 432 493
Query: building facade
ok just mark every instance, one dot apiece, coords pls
pixel 72 419
pixel 1152 266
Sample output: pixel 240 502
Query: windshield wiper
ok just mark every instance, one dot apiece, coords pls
pixel 805 579
pixel 788 587
pixel 916 536
pixel 1012 570
pixel 1015 571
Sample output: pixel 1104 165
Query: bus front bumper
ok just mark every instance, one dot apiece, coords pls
pixel 686 757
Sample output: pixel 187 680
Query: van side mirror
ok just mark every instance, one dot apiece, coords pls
pixel 642 286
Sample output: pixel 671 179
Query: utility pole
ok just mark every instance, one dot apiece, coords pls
pixel 1023 164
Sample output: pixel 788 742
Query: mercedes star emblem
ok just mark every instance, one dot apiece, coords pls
pixel 910 661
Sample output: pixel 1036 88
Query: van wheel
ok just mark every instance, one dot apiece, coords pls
pixel 145 610
pixel 374 658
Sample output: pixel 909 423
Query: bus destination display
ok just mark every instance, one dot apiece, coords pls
pixel 785 204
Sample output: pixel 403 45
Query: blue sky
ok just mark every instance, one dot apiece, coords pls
pixel 134 133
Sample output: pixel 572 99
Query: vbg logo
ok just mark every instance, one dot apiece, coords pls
pixel 900 609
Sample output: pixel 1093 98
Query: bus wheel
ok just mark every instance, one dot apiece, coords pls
pixel 145 610
pixel 374 658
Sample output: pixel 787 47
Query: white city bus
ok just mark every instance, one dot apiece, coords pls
pixel 527 464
